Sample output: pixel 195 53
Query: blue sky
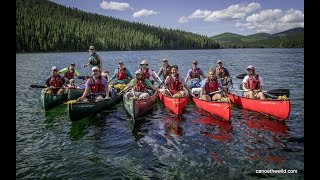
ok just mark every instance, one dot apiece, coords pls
pixel 205 17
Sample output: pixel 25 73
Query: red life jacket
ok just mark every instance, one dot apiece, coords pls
pixel 166 71
pixel 69 74
pixel 56 81
pixel 195 73
pixel 96 86
pixel 220 73
pixel 139 85
pixel 145 73
pixel 121 74
pixel 174 85
pixel 211 85
pixel 252 83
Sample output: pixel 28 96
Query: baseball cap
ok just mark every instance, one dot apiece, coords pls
pixel 165 60
pixel 250 67
pixel 194 62
pixel 95 68
pixel 91 47
pixel 219 61
pixel 138 72
pixel 144 62
pixel 54 68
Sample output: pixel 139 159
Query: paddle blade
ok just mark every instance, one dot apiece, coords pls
pixel 279 92
pixel 83 77
pixel 37 86
pixel 241 76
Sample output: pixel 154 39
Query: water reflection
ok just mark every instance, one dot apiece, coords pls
pixel 54 115
pixel 265 137
pixel 215 128
pixel 172 126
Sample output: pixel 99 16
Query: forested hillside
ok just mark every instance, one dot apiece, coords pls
pixel 44 26
pixel 292 38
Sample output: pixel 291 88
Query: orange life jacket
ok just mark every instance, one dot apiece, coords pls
pixel 121 74
pixel 69 74
pixel 56 81
pixel 211 85
pixel 252 83
pixel 139 85
pixel 174 85
pixel 145 73
pixel 96 86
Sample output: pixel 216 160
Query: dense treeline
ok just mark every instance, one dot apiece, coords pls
pixel 290 39
pixel 46 26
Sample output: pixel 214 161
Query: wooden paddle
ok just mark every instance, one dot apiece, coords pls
pixel 241 76
pixel 83 77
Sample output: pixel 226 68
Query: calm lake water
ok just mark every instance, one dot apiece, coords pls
pixel 160 145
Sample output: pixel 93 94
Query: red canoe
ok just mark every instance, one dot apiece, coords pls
pixel 176 105
pixel 218 108
pixel 279 109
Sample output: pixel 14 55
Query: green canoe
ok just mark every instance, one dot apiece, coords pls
pixel 49 101
pixel 84 109
pixel 74 93
pixel 138 107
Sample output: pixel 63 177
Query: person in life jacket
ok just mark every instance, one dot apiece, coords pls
pixel 223 75
pixel 139 85
pixel 165 69
pixel 174 84
pixel 121 74
pixel 54 84
pixel 210 86
pixel 194 75
pixel 94 59
pixel 96 86
pixel 252 84
pixel 69 73
pixel 146 72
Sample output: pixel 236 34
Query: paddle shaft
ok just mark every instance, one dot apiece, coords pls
pixel 161 82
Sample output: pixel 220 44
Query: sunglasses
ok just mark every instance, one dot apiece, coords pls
pixel 91 49
pixel 249 69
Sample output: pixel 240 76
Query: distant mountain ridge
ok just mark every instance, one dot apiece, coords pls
pixel 292 38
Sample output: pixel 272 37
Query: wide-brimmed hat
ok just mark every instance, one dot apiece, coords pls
pixel 91 48
pixel 138 72
pixel 165 60
pixel 54 68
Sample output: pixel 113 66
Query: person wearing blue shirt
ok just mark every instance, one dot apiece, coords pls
pixel 121 75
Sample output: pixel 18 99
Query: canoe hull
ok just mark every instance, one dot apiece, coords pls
pixel 81 110
pixel 220 109
pixel 279 109
pixel 177 105
pixel 139 107
pixel 49 101
pixel 74 93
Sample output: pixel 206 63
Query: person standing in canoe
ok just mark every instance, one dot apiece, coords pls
pixel 97 85
pixel 146 72
pixel 121 74
pixel 139 85
pixel 175 83
pixel 209 87
pixel 194 75
pixel 223 75
pixel 69 73
pixel 252 84
pixel 54 84
pixel 94 59
pixel 165 70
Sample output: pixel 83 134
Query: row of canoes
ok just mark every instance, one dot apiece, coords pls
pixel 135 107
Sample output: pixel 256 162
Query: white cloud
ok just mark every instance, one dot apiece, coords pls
pixel 183 19
pixel 233 12
pixel 114 5
pixel 273 20
pixel 144 12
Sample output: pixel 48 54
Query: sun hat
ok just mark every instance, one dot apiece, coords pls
pixel 144 62
pixel 95 68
